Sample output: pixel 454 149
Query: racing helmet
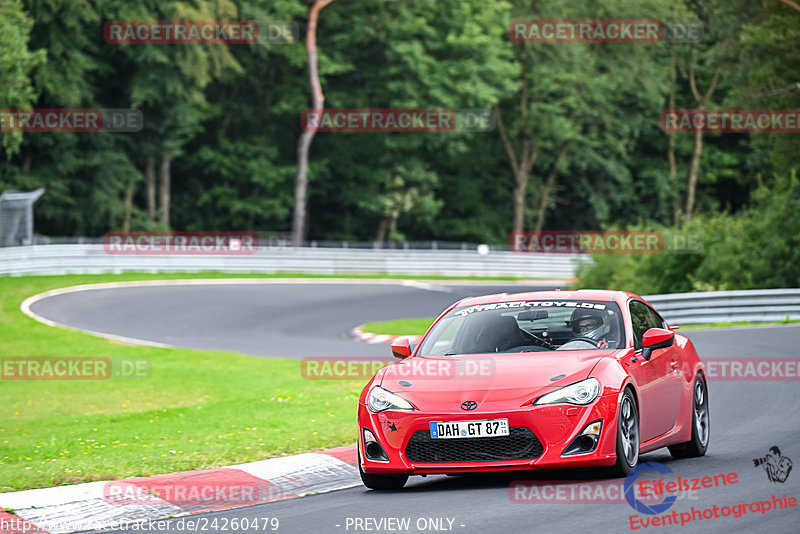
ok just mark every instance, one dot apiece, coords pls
pixel 589 323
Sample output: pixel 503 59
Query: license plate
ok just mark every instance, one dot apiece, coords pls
pixel 486 428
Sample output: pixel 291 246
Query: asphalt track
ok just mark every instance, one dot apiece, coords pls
pixel 748 417
pixel 261 319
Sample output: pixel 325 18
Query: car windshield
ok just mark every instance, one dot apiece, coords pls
pixel 526 326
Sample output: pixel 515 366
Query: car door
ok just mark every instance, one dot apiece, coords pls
pixel 668 362
pixel 658 379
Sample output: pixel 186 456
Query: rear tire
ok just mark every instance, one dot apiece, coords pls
pixel 701 425
pixel 627 435
pixel 382 482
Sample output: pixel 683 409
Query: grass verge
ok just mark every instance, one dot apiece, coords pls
pixel 400 327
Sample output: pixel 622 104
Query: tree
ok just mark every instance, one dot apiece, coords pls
pixel 702 102
pixel 416 54
pixel 766 77
pixel 409 191
pixel 317 104
pixel 577 112
pixel 17 63
pixel 167 83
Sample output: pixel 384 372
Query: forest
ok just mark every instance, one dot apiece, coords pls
pixel 577 142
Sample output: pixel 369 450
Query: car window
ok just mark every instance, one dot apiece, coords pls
pixel 444 342
pixel 643 318
pixel 654 319
pixel 525 326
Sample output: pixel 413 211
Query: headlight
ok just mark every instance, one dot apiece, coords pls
pixel 381 399
pixel 582 392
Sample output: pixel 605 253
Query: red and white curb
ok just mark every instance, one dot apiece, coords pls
pixel 368 337
pixel 104 505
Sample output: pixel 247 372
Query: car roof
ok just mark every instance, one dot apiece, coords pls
pixel 603 295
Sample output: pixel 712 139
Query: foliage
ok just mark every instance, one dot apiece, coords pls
pixel 17 62
pixel 226 119
pixel 758 248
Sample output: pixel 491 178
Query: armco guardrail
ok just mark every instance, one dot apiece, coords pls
pixel 92 258
pixel 678 308
pixel 756 305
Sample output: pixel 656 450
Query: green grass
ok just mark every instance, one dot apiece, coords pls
pixel 197 409
pixel 400 327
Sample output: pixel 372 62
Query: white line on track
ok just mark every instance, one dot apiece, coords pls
pixel 30 301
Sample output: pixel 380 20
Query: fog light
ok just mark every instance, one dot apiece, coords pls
pixel 592 429
pixel 372 449
pixel 586 441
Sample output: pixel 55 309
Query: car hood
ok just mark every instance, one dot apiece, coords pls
pixel 495 381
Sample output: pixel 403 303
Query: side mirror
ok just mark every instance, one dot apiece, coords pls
pixel 401 348
pixel 656 338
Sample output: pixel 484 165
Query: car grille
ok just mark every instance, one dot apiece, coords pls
pixel 520 444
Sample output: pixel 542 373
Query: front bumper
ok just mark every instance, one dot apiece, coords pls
pixel 555 426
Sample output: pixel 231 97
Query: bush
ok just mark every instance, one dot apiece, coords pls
pixel 756 249
pixel 761 250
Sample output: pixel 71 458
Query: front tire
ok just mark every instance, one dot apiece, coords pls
pixel 627 435
pixel 701 425
pixel 382 482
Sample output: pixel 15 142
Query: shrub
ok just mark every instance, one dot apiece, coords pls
pixel 756 249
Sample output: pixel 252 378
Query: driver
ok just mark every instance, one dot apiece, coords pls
pixel 590 324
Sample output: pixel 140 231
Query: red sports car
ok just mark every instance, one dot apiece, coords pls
pixel 549 379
